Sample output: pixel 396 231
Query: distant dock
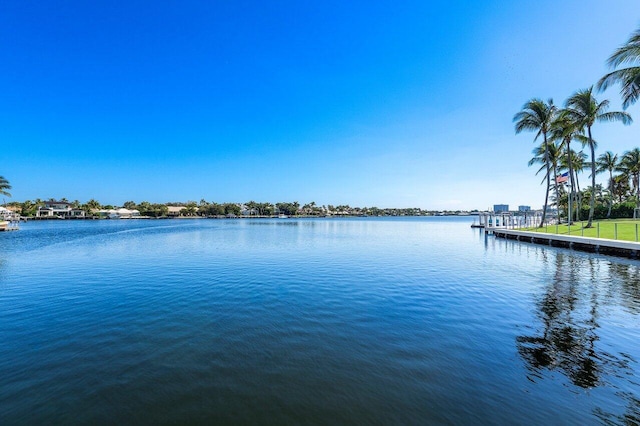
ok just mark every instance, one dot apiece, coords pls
pixel 491 220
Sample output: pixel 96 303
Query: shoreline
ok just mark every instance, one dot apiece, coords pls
pixel 619 248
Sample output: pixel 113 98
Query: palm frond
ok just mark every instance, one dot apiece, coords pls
pixel 616 116
pixel 627 53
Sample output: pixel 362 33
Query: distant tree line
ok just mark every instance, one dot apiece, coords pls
pixel 205 208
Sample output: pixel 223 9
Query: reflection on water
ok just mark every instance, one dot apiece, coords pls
pixel 631 415
pixel 377 321
pixel 566 338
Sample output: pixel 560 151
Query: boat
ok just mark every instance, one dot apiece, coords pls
pixel 8 220
pixel 282 216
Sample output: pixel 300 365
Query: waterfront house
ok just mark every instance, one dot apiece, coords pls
pixel 59 209
pixel 127 214
pixel 120 213
pixel 174 211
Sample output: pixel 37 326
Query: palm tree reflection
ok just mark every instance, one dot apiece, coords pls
pixel 569 312
pixel 631 415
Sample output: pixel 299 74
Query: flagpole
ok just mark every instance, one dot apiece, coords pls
pixel 570 195
pixel 570 181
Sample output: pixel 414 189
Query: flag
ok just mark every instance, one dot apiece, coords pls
pixel 562 178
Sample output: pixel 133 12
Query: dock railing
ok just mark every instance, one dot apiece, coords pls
pixel 613 230
pixel 490 221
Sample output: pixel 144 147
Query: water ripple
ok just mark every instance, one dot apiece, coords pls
pixel 311 321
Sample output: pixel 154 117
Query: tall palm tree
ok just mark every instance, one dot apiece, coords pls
pixel 4 187
pixel 564 129
pixel 630 166
pixel 537 115
pixel 578 161
pixel 549 158
pixel 586 110
pixel 608 162
pixel 628 77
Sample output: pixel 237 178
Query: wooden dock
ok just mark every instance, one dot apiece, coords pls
pixel 594 245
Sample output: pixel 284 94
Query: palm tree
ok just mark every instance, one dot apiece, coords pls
pixel 629 77
pixel 578 163
pixel 564 129
pixel 608 162
pixel 91 205
pixel 549 159
pixel 630 166
pixel 585 110
pixel 620 186
pixel 4 187
pixel 537 115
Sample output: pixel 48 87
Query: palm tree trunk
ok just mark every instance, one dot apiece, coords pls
pixel 568 140
pixel 637 184
pixel 555 174
pixel 574 194
pixel 546 197
pixel 578 198
pixel 592 203
pixel 610 192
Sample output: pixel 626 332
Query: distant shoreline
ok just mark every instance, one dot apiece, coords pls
pixel 59 219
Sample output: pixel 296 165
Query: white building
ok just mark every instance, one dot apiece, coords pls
pixel 60 209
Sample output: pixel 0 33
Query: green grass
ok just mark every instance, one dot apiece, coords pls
pixel 614 229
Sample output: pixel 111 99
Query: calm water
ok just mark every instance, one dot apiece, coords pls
pixel 368 321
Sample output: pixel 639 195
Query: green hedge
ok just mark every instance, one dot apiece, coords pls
pixel 618 211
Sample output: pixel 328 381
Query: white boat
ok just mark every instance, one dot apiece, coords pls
pixel 282 216
pixel 8 220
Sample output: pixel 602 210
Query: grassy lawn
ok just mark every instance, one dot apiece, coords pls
pixel 614 229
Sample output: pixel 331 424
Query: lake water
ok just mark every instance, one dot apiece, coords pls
pixel 325 321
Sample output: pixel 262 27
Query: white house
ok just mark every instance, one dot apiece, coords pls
pixel 60 209
pixel 120 213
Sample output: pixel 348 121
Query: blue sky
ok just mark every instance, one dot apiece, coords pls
pixel 393 104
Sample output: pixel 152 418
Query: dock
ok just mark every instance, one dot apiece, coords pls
pixel 594 245
pixel 488 220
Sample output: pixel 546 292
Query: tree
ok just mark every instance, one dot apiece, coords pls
pixel 152 210
pixel 191 209
pixel 628 77
pixel 131 205
pixel 608 162
pixel 4 187
pixel 577 162
pixel 630 166
pixel 537 116
pixel 232 209
pixel 585 110
pixel 28 208
pixel 91 205
pixel 549 158
pixel 564 129
pixel 620 187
